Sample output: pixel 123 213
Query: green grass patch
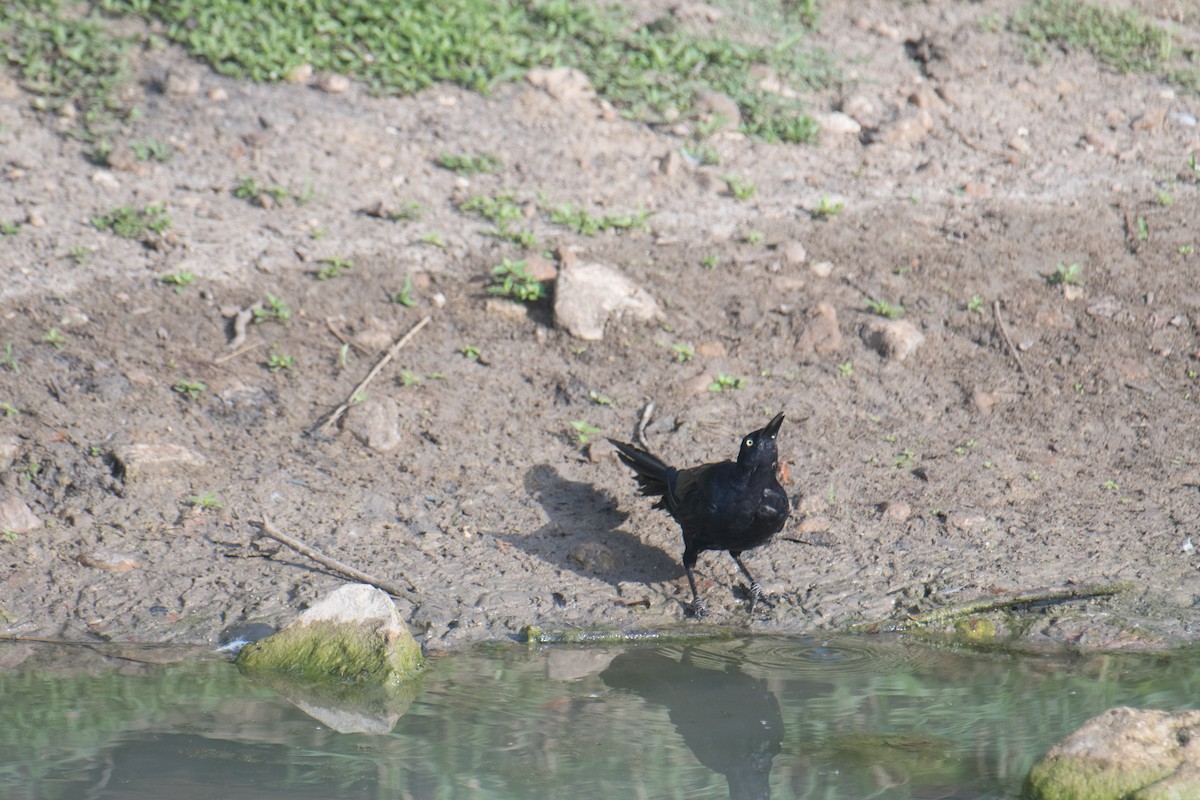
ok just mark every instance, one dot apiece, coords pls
pixel 67 59
pixel 131 223
pixel 1124 40
pixel 652 72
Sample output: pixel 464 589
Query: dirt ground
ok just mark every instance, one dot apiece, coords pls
pixel 1040 436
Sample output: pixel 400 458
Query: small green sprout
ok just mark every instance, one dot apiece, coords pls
pixel 470 352
pixel 409 378
pixel 9 228
pixel 1064 275
pixel 272 310
pixel 1111 486
pixel 277 362
pixel 846 369
pixel 151 150
pixel 207 501
pixel 583 431
pixel 975 304
pixel 333 268
pixel 130 223
pixel 79 254
pixel 8 409
pixel 740 188
pixel 723 382
pixel 180 280
pixel 469 165
pixel 683 351
pixel 827 208
pixel 434 238
pixel 248 188
pixel 190 389
pixel 54 337
pixel 513 279
pixel 404 296
pixel 885 309
pixel 9 360
pixel 710 261
pixel 600 399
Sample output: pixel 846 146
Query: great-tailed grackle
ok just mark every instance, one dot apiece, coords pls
pixel 729 505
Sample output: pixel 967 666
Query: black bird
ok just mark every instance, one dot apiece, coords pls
pixel 729 505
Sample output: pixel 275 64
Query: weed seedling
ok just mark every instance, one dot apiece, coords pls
pixel 583 431
pixel 404 296
pixel 409 378
pixel 9 228
pixel 885 309
pixel 434 238
pixel 827 208
pixel 408 211
pixel 9 360
pixel 846 369
pixel 151 150
pixel 753 237
pixel 1111 486
pixel 54 337
pixel 600 399
pixel 333 268
pixel 513 279
pixel 78 254
pixel 8 536
pixel 975 304
pixel 190 389
pixel 683 352
pixel 469 165
pixel 740 188
pixel 723 382
pixel 277 362
pixel 8 409
pixel 272 310
pixel 710 261
pixel 1143 230
pixel 180 280
pixel 470 352
pixel 248 188
pixel 1064 275
pixel 130 223
pixel 205 502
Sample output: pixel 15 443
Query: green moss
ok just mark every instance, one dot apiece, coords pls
pixel 325 652
pixel 1079 779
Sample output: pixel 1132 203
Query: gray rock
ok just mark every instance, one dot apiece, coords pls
pixel 895 339
pixel 148 460
pixel 1123 753
pixel 587 295
pixel 376 423
pixel 820 334
pixel 17 517
pixel 335 659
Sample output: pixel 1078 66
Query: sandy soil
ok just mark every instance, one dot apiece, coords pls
pixel 1044 436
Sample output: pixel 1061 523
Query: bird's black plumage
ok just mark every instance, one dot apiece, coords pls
pixel 729 505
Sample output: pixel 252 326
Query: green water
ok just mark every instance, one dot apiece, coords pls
pixel 854 718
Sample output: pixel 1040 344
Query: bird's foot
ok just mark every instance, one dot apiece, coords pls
pixel 697 609
pixel 757 596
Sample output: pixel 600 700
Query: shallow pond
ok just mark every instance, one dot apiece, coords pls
pixel 793 717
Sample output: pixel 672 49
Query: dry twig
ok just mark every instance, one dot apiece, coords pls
pixel 328 422
pixel 342 569
pixel 1004 335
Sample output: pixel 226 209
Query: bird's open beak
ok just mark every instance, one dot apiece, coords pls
pixel 773 426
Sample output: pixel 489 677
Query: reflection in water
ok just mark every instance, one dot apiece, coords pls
pixel 728 719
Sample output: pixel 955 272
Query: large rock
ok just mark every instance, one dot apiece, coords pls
pixel 587 294
pixel 1124 753
pixel 354 635
pixel 894 339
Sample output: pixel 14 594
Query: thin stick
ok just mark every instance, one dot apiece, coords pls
pixel 341 337
pixel 236 353
pixel 1004 334
pixel 324 427
pixel 640 432
pixel 998 604
pixel 350 572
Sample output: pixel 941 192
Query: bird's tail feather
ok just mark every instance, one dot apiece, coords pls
pixel 651 473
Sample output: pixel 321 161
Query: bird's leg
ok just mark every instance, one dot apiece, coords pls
pixel 756 592
pixel 698 609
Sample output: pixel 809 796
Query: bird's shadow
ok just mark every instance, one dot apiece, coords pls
pixel 583 533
